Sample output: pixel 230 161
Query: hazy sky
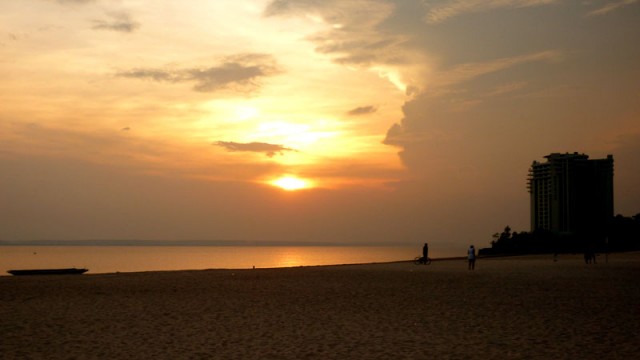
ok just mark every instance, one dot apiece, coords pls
pixel 402 121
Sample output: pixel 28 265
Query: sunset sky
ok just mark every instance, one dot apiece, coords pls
pixel 362 121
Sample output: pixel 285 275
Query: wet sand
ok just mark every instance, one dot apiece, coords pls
pixel 508 308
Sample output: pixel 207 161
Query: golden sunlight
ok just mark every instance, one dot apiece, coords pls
pixel 291 183
pixel 290 133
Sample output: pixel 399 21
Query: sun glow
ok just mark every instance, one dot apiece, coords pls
pixel 246 112
pixel 296 134
pixel 291 183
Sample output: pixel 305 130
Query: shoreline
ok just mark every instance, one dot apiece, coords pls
pixel 132 259
pixel 557 257
pixel 574 257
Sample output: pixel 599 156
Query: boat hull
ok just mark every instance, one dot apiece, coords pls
pixel 69 271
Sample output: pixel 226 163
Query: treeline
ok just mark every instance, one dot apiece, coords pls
pixel 622 234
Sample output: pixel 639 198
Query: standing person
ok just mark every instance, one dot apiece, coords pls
pixel 472 257
pixel 425 252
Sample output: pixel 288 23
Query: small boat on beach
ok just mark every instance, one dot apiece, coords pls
pixel 68 271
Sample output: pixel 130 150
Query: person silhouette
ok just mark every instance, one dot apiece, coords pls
pixel 471 256
pixel 425 252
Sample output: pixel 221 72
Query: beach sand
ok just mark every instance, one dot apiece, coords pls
pixel 508 308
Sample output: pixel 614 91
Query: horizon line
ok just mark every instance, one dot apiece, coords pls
pixel 138 242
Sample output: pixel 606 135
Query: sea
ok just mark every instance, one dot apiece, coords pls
pixel 113 259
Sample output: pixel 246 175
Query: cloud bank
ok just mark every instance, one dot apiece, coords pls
pixel 448 9
pixel 239 72
pixel 352 36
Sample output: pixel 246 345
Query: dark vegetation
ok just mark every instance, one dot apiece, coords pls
pixel 622 234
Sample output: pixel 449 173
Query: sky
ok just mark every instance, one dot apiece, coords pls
pixel 363 121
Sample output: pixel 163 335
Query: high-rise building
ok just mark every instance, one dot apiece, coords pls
pixel 571 194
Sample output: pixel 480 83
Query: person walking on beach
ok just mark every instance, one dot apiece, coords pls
pixel 425 252
pixel 472 257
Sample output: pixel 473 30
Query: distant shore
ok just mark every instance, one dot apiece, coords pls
pixel 508 308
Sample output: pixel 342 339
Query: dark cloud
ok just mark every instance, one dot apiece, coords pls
pixel 268 149
pixel 236 72
pixel 362 110
pixel 121 22
pixel 215 78
pixel 155 75
pixel 394 135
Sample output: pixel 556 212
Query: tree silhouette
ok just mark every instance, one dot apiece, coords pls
pixel 623 234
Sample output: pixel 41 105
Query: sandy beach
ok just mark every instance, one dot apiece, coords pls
pixel 508 308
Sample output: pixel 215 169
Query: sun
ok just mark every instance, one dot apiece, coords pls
pixel 291 183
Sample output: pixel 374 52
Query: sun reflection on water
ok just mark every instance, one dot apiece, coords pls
pixel 290 257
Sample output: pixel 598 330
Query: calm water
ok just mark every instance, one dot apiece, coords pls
pixel 109 259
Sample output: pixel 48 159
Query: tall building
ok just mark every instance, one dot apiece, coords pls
pixel 571 194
